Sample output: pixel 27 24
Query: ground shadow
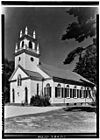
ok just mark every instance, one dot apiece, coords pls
pixel 87 109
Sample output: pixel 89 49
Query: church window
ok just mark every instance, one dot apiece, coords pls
pixel 74 92
pixel 85 93
pixel 67 91
pixel 30 44
pixel 32 59
pixel 19 82
pixel 58 94
pixel 88 92
pixel 19 59
pixel 71 93
pixel 81 92
pixel 78 93
pixel 22 44
pixel 47 90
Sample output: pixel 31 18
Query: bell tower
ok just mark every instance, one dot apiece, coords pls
pixel 27 51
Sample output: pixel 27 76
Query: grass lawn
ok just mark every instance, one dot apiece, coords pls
pixel 58 121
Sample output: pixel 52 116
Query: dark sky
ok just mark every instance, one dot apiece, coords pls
pixel 50 23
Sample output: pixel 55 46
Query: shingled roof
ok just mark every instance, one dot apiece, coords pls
pixel 63 74
pixel 33 75
pixel 54 72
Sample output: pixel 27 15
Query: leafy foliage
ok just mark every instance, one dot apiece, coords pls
pixel 84 27
pixel 87 64
pixel 73 54
pixel 8 68
pixel 40 100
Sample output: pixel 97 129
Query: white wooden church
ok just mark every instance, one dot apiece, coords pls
pixel 31 77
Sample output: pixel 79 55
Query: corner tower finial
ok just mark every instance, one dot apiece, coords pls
pixel 20 33
pixel 34 34
pixel 16 48
pixel 38 49
pixel 26 30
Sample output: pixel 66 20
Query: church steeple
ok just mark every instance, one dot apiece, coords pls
pixel 27 50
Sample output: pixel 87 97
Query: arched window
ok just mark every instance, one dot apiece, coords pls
pixel 19 82
pixel 22 44
pixel 86 92
pixel 71 93
pixel 67 94
pixel 81 92
pixel 30 44
pixel 78 93
pixel 58 90
pixel 74 92
pixel 47 90
pixel 48 85
pixel 13 95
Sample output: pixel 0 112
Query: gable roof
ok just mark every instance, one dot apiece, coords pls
pixel 63 74
pixel 30 74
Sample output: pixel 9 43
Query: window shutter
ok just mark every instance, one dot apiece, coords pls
pixel 55 91
pixel 70 93
pixel 74 93
pixel 77 93
pixel 50 91
pixel 61 92
pixel 84 94
pixel 65 92
pixel 81 93
pixel 89 94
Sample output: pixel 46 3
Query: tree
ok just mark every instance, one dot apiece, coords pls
pixel 85 25
pixel 82 29
pixel 8 68
pixel 87 64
